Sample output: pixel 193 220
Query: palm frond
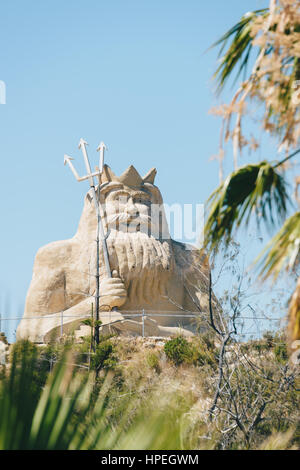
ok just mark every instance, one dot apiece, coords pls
pixel 294 316
pixel 255 188
pixel 16 390
pixel 283 251
pixel 65 413
pixel 52 421
pixel 239 50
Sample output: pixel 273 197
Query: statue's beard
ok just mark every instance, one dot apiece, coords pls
pixel 142 262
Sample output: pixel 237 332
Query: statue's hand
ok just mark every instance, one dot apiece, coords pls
pixel 112 292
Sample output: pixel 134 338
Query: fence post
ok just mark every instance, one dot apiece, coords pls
pixel 61 323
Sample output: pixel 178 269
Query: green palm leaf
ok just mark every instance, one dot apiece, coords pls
pixel 65 414
pixel 15 416
pixel 257 188
pixel 283 250
pixel 239 50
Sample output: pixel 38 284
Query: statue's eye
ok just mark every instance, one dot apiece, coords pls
pixel 122 198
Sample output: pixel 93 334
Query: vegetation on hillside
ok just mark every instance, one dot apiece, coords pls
pixel 137 402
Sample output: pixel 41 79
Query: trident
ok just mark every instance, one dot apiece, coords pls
pixel 100 231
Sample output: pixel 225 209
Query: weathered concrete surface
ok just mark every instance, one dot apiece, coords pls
pixel 150 270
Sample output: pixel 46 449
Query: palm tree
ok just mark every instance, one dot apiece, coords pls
pixel 261 188
pixel 67 410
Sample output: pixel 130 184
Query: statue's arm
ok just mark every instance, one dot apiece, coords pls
pixel 194 268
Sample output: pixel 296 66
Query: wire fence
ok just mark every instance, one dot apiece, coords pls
pixel 249 325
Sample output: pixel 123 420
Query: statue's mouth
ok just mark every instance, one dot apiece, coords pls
pixel 125 219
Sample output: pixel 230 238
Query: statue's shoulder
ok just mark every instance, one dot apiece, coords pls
pixel 54 254
pixel 187 255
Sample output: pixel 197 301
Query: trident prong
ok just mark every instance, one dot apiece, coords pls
pixel 67 160
pixel 101 149
pixel 90 177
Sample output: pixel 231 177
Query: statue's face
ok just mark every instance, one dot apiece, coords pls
pixel 128 209
pixel 136 250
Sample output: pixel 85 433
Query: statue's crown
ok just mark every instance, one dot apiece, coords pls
pixel 130 177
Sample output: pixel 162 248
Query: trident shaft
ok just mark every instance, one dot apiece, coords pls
pixel 100 230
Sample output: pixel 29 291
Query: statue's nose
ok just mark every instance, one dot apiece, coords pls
pixel 131 209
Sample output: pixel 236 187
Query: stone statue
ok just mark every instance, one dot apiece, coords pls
pixel 150 271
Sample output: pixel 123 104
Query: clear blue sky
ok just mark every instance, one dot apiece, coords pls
pixel 133 73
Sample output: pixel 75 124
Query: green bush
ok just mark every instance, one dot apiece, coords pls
pixel 3 338
pixel 203 356
pixel 199 352
pixel 104 356
pixel 269 339
pixel 23 353
pixel 153 362
pixel 203 351
pixel 281 353
pixel 178 350
pixel 261 346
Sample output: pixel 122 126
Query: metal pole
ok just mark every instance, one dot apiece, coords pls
pixel 92 335
pixel 61 323
pixel 143 323
pixel 97 299
pixel 100 233
pixel 92 329
pixel 100 230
